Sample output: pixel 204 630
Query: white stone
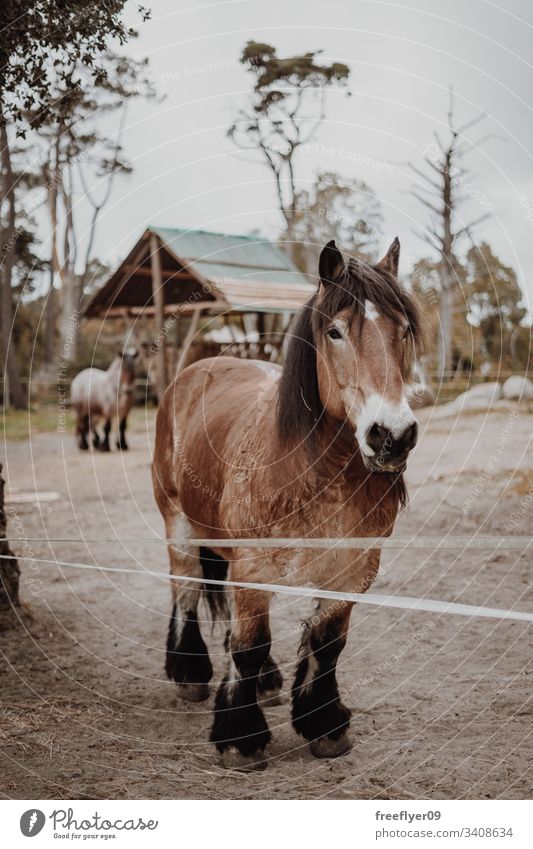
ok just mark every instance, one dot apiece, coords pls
pixel 481 397
pixel 518 388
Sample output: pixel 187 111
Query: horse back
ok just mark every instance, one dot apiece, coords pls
pixel 201 430
pixel 86 389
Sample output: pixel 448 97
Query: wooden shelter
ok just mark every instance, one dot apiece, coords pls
pixel 172 273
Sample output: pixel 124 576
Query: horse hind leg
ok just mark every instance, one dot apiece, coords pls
pixel 82 429
pixel 187 658
pixel 270 680
pixel 269 684
pixel 96 436
pixel 317 711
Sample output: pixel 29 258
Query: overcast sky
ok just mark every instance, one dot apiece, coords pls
pixel 402 55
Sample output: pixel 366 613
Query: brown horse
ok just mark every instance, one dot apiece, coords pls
pixel 245 450
pixel 96 394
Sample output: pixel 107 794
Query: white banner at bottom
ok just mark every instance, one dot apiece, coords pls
pixel 263 824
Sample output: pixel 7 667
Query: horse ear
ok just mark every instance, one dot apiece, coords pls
pixel 330 264
pixel 391 260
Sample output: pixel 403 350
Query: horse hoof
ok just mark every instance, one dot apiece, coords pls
pixel 122 447
pixel 193 692
pixel 105 447
pixel 233 759
pixel 270 698
pixel 325 747
pixel 84 447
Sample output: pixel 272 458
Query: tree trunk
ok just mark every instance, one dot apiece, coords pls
pixel 50 321
pixel 12 385
pixel 70 316
pixel 446 325
pixel 9 569
pixel 447 282
pixel 70 281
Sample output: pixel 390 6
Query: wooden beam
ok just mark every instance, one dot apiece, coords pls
pixel 182 308
pixel 158 293
pixel 166 273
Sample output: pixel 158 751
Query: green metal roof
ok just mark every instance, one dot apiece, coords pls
pixel 218 255
pixel 248 273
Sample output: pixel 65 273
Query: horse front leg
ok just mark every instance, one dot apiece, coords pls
pixel 187 658
pixel 317 711
pixel 240 731
pixel 122 445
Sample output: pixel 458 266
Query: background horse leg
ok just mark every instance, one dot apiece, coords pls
pixel 187 660
pixel 107 430
pixel 240 731
pixel 121 441
pixel 82 430
pixel 269 684
pixel 317 711
pixel 96 437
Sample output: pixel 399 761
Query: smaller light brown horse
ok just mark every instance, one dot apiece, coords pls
pixel 97 394
pixel 318 449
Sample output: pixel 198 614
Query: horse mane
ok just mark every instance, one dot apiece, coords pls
pixel 299 408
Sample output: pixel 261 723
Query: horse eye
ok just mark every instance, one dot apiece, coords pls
pixel 334 333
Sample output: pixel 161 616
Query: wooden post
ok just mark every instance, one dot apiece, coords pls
pixel 158 293
pixel 177 338
pixel 184 352
pixel 9 569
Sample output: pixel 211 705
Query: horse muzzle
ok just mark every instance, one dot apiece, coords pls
pixel 390 452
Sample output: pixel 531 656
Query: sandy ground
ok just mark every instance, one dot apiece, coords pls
pixel 441 705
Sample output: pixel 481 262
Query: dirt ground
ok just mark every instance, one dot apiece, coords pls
pixel 441 704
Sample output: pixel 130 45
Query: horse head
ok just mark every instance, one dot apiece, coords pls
pixel 349 357
pixel 127 368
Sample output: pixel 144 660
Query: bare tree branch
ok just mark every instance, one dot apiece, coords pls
pixel 426 203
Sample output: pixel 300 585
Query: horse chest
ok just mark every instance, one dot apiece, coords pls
pixel 348 570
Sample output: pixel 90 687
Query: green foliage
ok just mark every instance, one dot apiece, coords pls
pixel 276 78
pixel 43 41
pixel 494 301
pixel 285 107
pixel 488 304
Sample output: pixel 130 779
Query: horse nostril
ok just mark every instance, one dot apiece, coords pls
pixel 410 436
pixel 376 436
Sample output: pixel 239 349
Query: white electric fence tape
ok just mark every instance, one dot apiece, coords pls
pixel 400 602
pixel 514 543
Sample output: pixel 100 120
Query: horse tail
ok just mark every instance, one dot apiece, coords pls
pixel 214 568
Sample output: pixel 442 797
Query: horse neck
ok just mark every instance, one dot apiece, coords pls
pixel 331 464
pixel 332 451
pixel 114 371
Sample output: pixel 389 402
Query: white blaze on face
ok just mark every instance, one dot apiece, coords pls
pixel 363 405
pixel 377 410
pixel 371 311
